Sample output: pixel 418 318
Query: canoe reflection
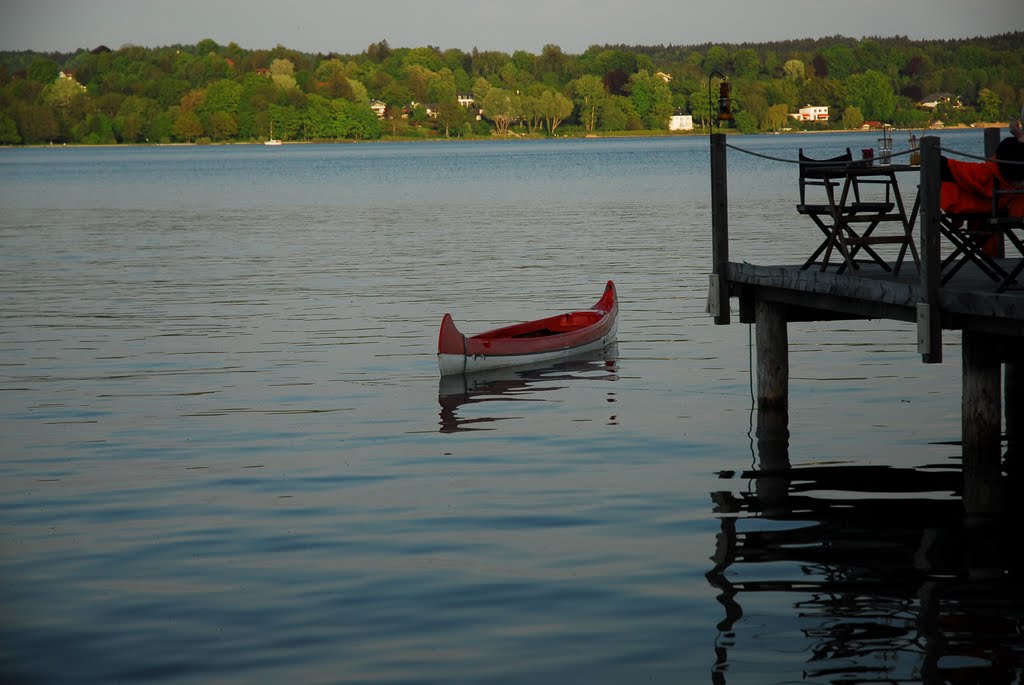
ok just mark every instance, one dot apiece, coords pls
pixel 517 384
pixel 889 580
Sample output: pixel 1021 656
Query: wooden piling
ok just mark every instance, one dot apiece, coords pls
pixel 929 317
pixel 992 137
pixel 980 423
pixel 772 358
pixel 719 295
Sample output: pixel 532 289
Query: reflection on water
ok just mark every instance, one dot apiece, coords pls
pixel 222 460
pixel 886 579
pixel 518 384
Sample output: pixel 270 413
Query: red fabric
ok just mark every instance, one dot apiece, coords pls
pixel 971 190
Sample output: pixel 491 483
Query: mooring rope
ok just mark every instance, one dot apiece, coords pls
pixel 815 162
pixel 807 162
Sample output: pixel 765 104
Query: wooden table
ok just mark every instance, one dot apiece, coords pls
pixel 851 210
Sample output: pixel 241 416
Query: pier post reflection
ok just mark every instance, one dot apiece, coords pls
pixel 1013 392
pixel 888 578
pixel 773 456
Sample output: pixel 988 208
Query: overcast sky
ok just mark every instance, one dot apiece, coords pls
pixel 349 26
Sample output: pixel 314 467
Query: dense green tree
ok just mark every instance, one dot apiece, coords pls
pixel 62 93
pixel 499 106
pixel 358 121
pixel 488 63
pixel 823 90
pixel 970 56
pixel 282 72
pixel 701 106
pixel 36 123
pixel 908 116
pixel 395 121
pixel 746 122
pixel 378 52
pixel 8 130
pixel 187 126
pixel 716 59
pixel 524 61
pixel 418 78
pixel 651 99
pixel 135 119
pixel 840 62
pixel 989 105
pixel 870 55
pixel 429 58
pixel 458 61
pixel 320 119
pixel 746 64
pixel 554 108
pixel 590 96
pixel 528 111
pixel 552 62
pixel 775 118
pixel 441 86
pixel 337 85
pixel 450 116
pixel 872 93
pixel 618 114
pixel 752 100
pixel 615 61
pixel 514 78
pixel 782 91
pixel 222 125
pixel 359 95
pixel 70 104
pixel 795 70
pixel 43 70
pixel 96 129
pixel 287 121
pixel 852 117
pixel 206 46
pixel 224 95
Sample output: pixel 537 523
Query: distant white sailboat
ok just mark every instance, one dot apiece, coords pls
pixel 272 140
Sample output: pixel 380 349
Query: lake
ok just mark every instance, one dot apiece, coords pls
pixel 228 457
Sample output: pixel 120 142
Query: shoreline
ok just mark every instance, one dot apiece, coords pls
pixel 583 136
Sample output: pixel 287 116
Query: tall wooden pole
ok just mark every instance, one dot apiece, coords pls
pixel 991 142
pixel 719 293
pixel 981 413
pixel 772 358
pixel 929 316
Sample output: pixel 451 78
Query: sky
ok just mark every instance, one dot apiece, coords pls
pixel 349 26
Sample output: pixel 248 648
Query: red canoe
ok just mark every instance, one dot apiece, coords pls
pixel 553 338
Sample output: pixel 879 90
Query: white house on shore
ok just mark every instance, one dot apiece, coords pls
pixel 811 113
pixel 680 122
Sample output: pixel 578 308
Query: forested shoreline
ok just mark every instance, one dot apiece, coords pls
pixel 215 93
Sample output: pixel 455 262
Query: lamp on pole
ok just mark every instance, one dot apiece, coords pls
pixel 724 98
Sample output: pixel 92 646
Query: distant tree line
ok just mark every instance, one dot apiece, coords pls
pixel 212 93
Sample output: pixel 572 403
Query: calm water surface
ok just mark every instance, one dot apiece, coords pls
pixel 227 456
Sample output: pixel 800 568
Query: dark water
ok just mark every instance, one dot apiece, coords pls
pixel 227 455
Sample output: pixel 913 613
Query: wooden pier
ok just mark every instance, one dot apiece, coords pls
pixel 990 323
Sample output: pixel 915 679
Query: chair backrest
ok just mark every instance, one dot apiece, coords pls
pixel 1002 200
pixel 810 170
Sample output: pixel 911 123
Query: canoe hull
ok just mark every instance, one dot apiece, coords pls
pixel 544 340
